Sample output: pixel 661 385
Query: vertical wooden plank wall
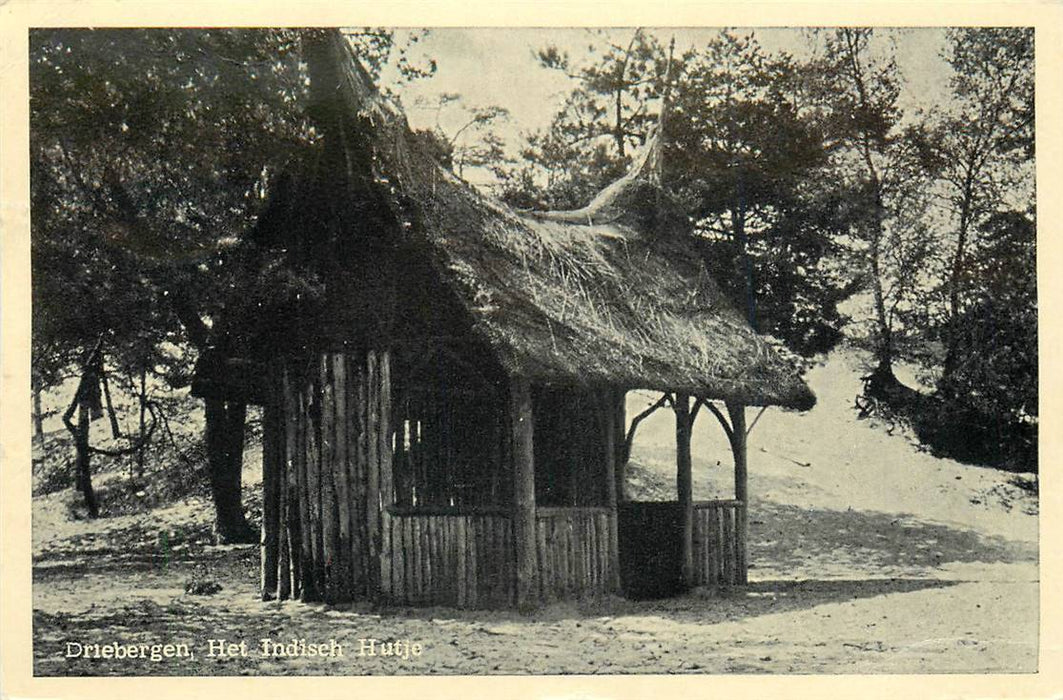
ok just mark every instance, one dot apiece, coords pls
pixel 328 534
pixel 289 584
pixel 272 473
pixel 466 559
pixel 575 550
pixel 463 560
pixel 327 467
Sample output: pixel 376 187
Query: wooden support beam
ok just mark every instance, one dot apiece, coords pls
pixel 372 484
pixel 521 428
pixel 284 554
pixel 272 474
pixel 384 494
pixel 609 422
pixel 330 536
pixel 314 575
pixel 290 587
pixel 619 416
pixel 295 398
pixel 345 570
pixel 357 449
pixel 737 413
pixel 684 486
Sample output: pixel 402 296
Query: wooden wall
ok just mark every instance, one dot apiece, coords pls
pixel 334 472
pixel 575 552
pixel 465 557
pixel 461 559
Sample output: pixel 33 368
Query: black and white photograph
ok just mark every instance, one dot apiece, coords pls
pixel 533 351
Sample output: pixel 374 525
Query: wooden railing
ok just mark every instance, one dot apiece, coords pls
pixel 461 559
pixel 574 552
pixel 464 557
pixel 719 543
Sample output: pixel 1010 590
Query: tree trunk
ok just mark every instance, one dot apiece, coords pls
pixel 884 350
pixel 684 486
pixel 225 452
pixel 224 448
pixel 38 415
pixel 84 459
pixel 142 424
pixel 958 263
pixel 744 258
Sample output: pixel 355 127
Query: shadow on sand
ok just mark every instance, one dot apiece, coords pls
pixel 788 538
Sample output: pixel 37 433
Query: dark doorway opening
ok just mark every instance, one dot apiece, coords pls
pixel 649 535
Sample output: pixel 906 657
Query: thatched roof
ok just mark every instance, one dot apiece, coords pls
pixel 613 294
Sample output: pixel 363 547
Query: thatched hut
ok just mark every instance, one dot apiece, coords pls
pixel 443 413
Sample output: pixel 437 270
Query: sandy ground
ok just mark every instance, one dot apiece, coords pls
pixel 868 556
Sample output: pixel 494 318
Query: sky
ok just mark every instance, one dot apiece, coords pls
pixel 498 67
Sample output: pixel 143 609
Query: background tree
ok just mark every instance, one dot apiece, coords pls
pixel 609 111
pixel 747 155
pixel 165 166
pixel 153 152
pixel 744 154
pixel 93 315
pixel 473 143
pixel 985 147
pixel 881 167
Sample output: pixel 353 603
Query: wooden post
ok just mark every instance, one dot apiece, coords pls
pixel 521 427
pixel 272 473
pixel 308 580
pixel 684 487
pixel 342 476
pixel 315 590
pixel 284 562
pixel 385 489
pixel 357 437
pixel 293 511
pixel 330 555
pixel 737 413
pixel 372 481
pixel 613 541
pixel 619 416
